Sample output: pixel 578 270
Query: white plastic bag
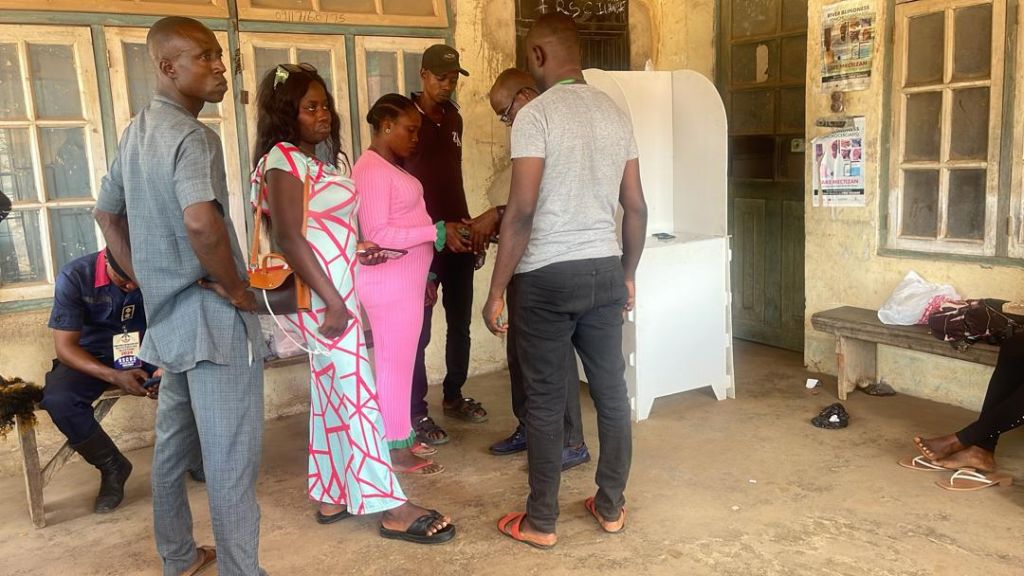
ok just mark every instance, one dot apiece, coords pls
pixel 914 300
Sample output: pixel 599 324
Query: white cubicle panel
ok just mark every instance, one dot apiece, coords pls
pixel 701 150
pixel 679 337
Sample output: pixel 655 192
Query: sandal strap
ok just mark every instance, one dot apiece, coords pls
pixel 968 474
pixel 421 525
pixel 425 424
pixel 926 463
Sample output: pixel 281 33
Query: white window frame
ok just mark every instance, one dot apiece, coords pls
pixel 315 15
pixel 212 8
pixel 397 45
pixel 986 247
pixel 1015 222
pixel 80 39
pixel 226 121
pixel 293 43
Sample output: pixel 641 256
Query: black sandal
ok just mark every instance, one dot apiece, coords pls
pixel 417 531
pixel 425 427
pixel 467 409
pixel 322 518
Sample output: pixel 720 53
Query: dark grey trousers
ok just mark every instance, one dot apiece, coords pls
pixel 573 417
pixel 576 304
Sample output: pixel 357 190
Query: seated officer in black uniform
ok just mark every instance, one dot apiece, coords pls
pixel 98 323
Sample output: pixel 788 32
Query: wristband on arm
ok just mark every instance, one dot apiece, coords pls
pixel 442 236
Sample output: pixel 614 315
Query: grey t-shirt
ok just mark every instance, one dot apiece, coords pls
pixel 585 140
pixel 166 161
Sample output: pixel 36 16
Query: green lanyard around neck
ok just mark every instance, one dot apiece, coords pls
pixel 567 81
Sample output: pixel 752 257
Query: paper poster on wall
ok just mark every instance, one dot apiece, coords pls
pixel 848 46
pixel 838 173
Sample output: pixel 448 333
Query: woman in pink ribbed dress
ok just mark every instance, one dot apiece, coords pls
pixel 392 215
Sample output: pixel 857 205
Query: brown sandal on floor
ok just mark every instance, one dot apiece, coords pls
pixel 206 556
pixel 466 409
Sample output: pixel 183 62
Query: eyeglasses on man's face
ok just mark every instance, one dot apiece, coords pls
pixel 507 117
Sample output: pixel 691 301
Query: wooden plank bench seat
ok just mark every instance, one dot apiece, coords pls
pixel 38 476
pixel 858 333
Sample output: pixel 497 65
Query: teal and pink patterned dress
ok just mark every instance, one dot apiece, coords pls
pixel 349 461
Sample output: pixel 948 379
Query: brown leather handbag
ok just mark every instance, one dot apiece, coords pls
pixel 282 290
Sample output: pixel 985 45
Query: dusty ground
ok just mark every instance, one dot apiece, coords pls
pixel 741 487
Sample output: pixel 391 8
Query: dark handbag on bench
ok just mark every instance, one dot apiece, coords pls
pixel 972 321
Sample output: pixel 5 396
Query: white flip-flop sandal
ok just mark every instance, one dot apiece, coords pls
pixel 921 463
pixel 968 479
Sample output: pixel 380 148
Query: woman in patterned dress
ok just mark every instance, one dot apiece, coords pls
pixel 350 470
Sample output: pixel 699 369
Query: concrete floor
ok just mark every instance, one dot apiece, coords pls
pixel 741 487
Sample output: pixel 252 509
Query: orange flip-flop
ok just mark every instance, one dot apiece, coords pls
pixel 589 503
pixel 509 525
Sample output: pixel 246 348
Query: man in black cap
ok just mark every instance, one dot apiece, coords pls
pixel 437 164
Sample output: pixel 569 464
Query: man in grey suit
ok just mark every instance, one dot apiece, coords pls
pixel 162 209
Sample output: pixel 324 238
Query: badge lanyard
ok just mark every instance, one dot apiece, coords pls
pixel 126 344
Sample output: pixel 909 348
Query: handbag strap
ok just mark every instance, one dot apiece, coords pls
pixel 254 255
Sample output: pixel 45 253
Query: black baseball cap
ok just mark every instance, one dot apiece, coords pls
pixel 442 59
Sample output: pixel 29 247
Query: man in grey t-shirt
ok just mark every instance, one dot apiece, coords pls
pixel 574 162
pixel 162 210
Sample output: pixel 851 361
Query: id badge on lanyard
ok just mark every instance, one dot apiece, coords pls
pixel 127 344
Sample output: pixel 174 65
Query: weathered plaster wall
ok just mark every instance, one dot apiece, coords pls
pixel 685 36
pixel 843 266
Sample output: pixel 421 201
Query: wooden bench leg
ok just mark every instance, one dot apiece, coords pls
pixel 856 361
pixel 33 473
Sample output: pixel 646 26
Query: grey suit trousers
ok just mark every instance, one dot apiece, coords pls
pixel 217 409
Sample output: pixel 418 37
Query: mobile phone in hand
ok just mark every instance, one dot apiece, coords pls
pixel 389 253
pixel 151 382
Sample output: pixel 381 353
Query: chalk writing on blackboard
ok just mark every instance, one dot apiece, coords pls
pixel 583 10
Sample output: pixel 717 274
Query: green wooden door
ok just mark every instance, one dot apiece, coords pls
pixel 763 47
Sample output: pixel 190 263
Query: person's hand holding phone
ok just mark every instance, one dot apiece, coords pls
pixel 369 254
pixel 131 381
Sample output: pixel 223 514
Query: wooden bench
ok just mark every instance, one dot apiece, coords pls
pixel 858 333
pixel 37 476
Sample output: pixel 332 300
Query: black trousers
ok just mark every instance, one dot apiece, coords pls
pixel 1003 409
pixel 573 417
pixel 68 397
pixel 560 307
pixel 455 279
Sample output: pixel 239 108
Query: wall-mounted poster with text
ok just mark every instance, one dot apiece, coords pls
pixel 848 44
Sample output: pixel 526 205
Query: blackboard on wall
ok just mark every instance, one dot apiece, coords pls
pixel 603 26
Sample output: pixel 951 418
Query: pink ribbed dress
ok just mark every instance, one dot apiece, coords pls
pixel 392 214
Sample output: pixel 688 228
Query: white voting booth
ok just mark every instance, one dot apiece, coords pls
pixel 679 337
